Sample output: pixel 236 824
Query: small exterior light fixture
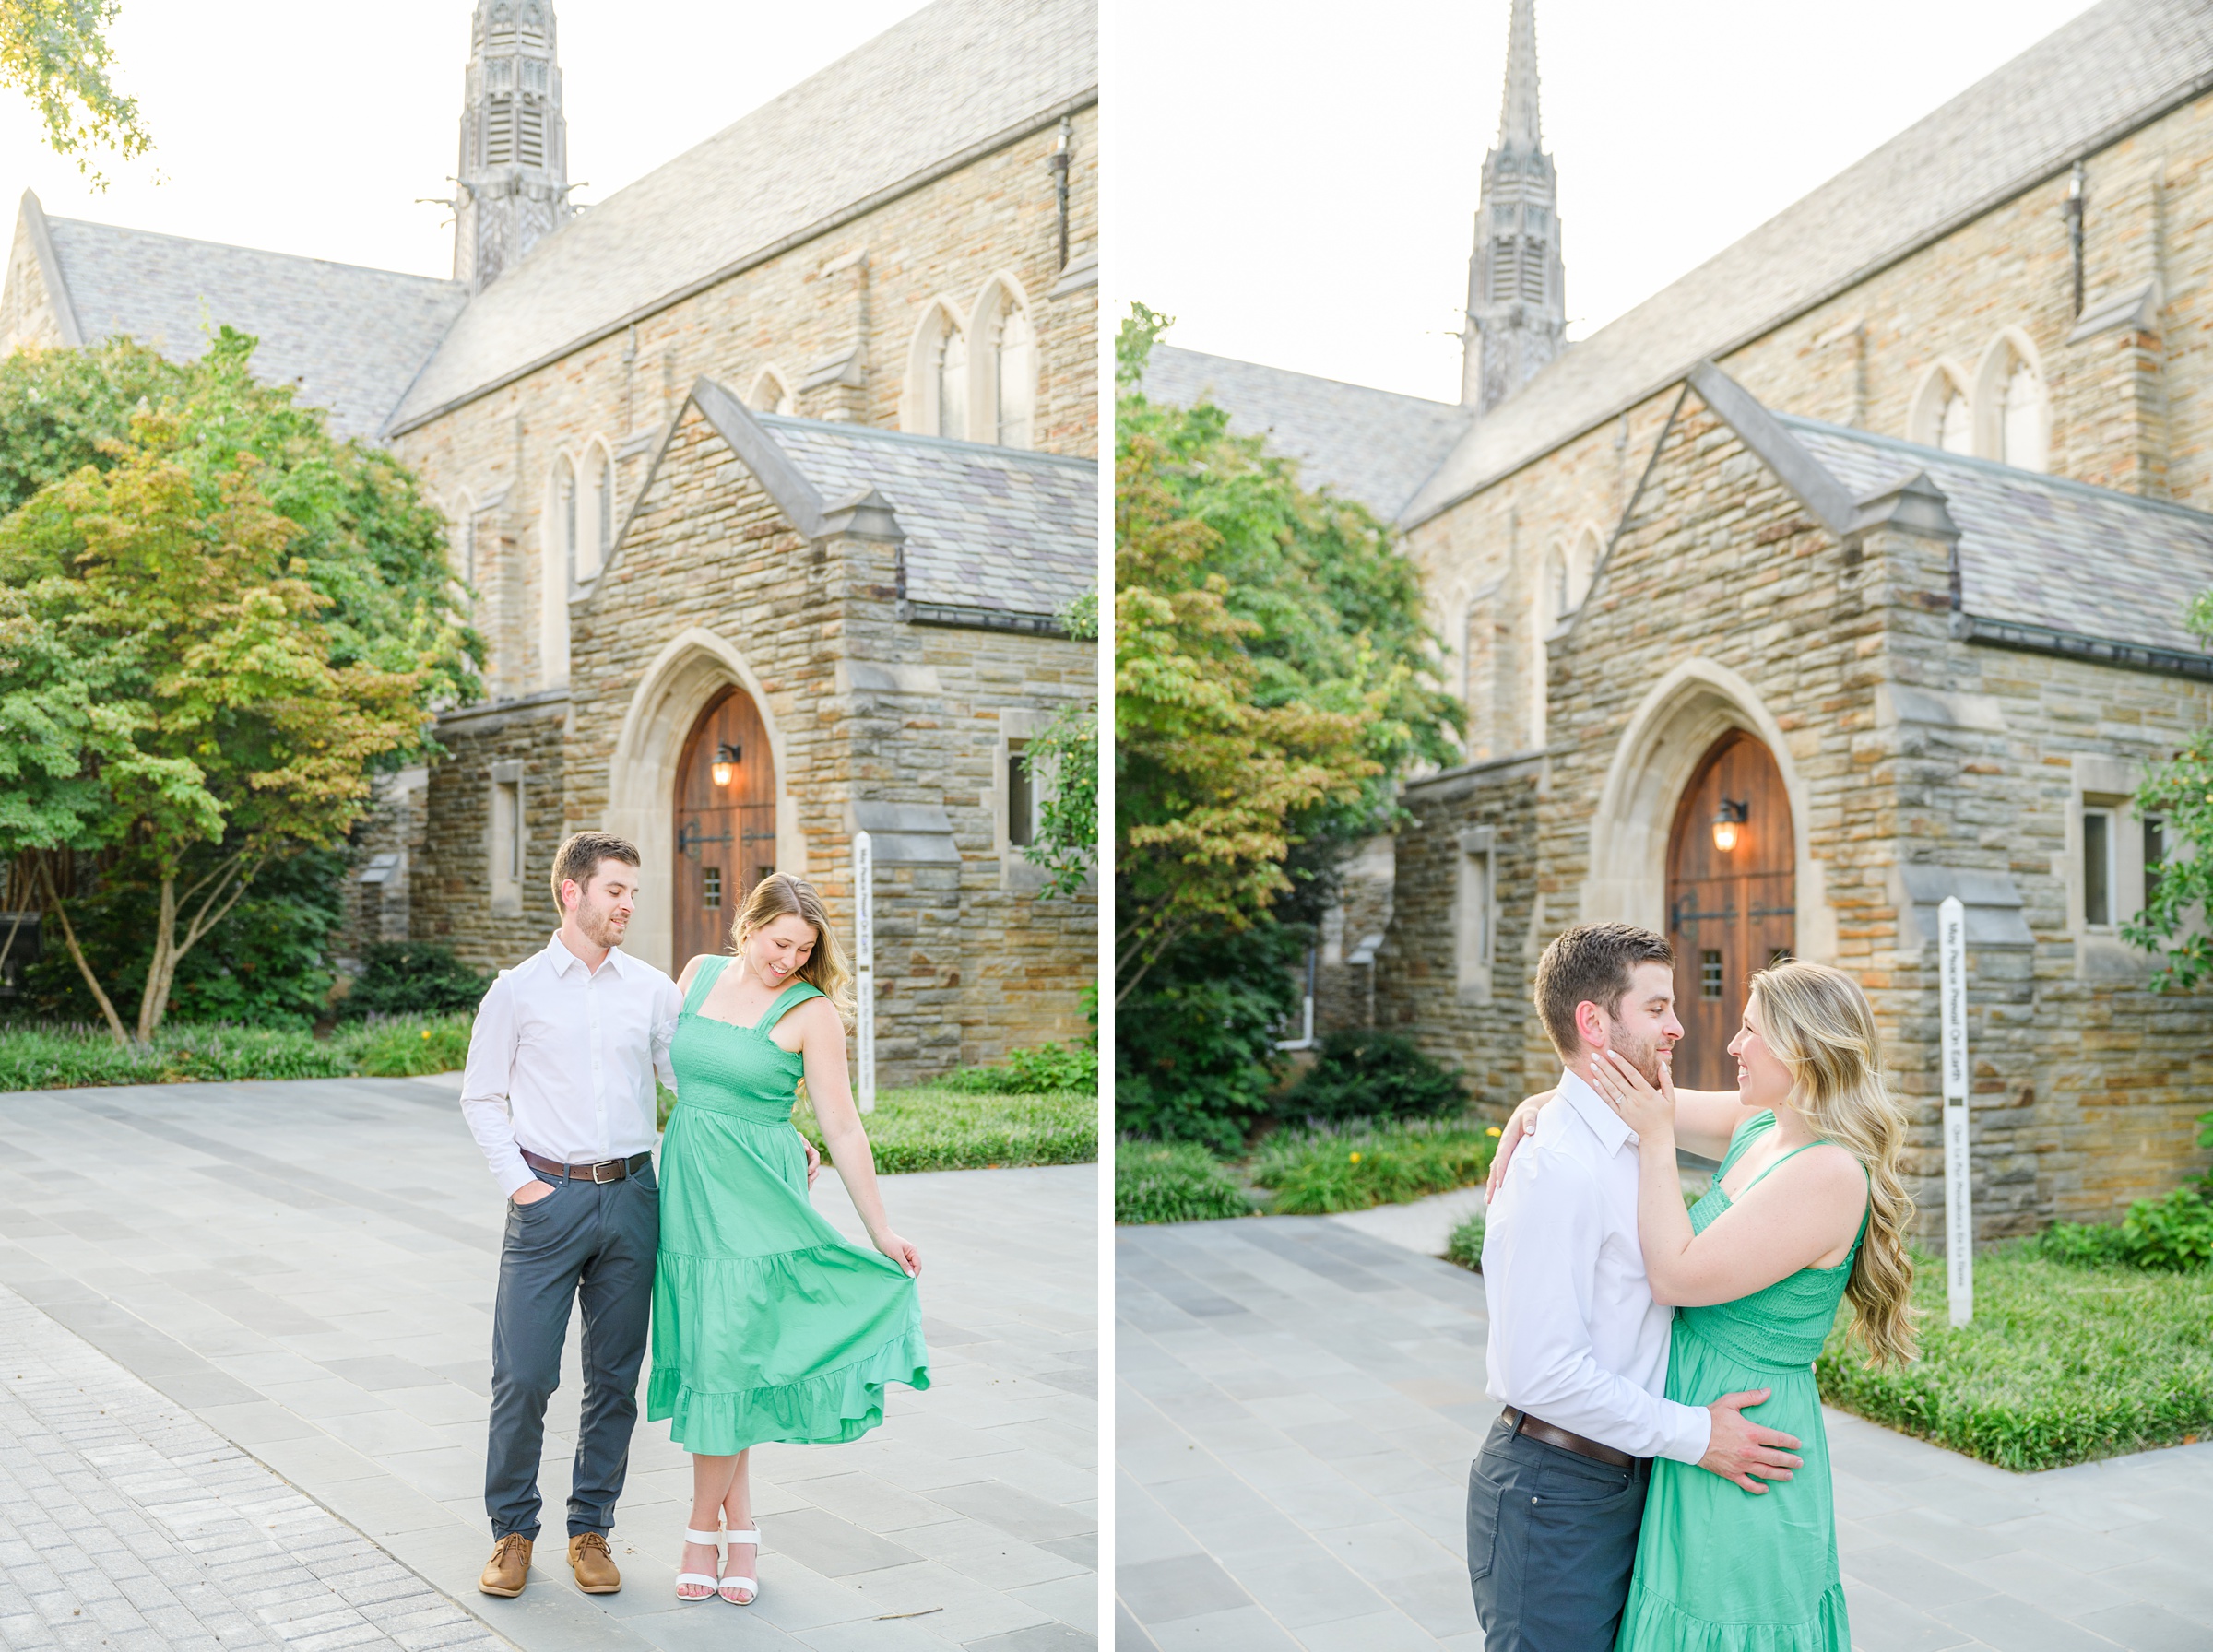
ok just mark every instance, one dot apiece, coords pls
pixel 724 767
pixel 1726 819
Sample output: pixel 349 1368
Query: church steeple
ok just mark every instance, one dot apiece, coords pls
pixel 1517 314
pixel 514 143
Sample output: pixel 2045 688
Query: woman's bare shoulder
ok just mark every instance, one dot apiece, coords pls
pixel 692 969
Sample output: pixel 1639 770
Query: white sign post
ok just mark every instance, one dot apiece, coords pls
pixel 864 966
pixel 1958 1216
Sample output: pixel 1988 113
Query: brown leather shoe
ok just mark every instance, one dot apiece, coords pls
pixel 509 1567
pixel 593 1565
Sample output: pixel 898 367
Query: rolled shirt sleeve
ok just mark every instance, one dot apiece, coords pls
pixel 485 1086
pixel 1540 1274
pixel 667 1005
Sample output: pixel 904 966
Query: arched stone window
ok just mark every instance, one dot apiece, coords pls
pixel 1943 412
pixel 1004 389
pixel 2016 410
pixel 1582 564
pixel 934 400
pixel 564 534
pixel 593 529
pixel 771 393
pixel 1556 595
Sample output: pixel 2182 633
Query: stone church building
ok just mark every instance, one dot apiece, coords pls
pixel 1844 574
pixel 771 479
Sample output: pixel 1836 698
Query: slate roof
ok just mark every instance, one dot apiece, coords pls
pixel 990 527
pixel 942 83
pixel 351 339
pixel 1373 445
pixel 2040 550
pixel 2087 83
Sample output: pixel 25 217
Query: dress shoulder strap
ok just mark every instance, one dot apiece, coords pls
pixel 704 983
pixel 797 993
pixel 1743 1136
pixel 1762 1177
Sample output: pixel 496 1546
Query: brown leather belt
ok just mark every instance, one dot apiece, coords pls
pixel 606 1169
pixel 1536 1428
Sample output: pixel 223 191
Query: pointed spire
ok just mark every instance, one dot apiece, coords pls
pixel 1518 127
pixel 1517 315
pixel 514 143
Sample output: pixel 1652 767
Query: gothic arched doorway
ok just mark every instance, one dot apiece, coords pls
pixel 1730 910
pixel 726 821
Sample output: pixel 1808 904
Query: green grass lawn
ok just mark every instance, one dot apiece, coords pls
pixel 932 1128
pixel 66 1058
pixel 1157 1180
pixel 1314 1171
pixel 2061 1363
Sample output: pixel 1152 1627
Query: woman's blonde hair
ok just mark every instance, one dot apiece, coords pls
pixel 781 895
pixel 1817 1021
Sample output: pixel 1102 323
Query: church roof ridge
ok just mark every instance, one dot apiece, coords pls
pixel 993 450
pixel 1365 443
pixel 893 114
pixel 349 337
pixel 2082 88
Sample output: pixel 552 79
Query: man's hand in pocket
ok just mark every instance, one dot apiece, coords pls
pixel 529 1193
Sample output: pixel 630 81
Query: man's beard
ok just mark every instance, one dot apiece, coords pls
pixel 1643 1054
pixel 598 924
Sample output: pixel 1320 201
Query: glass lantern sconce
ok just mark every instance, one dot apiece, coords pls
pixel 1728 823
pixel 724 767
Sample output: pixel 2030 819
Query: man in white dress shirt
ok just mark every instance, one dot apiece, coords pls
pixel 1578 1348
pixel 559 1093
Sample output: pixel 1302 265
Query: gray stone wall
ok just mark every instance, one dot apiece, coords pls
pixel 1915 763
pixel 453 900
pixel 869 710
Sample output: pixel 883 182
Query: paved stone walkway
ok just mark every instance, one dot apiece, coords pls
pixel 307 1269
pixel 127 1522
pixel 1297 1403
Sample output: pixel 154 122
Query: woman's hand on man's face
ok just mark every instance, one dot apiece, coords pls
pixel 1646 1110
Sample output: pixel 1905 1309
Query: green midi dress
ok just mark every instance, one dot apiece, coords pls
pixel 1720 1569
pixel 767 1322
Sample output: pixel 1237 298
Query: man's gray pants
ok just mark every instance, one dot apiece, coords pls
pixel 593 1243
pixel 1552 1536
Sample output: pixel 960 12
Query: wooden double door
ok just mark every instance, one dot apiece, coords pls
pixel 726 830
pixel 1730 912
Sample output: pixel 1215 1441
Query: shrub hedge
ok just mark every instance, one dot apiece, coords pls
pixel 1372 1075
pixel 932 1127
pixel 413 978
pixel 1157 1181
pixel 46 1057
pixel 1465 1248
pixel 1032 1072
pixel 1320 1169
pixel 2061 1363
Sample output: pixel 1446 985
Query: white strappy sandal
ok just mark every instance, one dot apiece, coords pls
pixel 713 1540
pixel 752 1588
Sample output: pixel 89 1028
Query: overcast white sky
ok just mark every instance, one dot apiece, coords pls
pixel 1301 190
pixel 311 127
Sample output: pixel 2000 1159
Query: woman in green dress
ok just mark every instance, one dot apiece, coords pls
pixel 767 1322
pixel 1807 1208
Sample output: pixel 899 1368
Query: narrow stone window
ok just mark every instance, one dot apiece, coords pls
pixel 507 836
pixel 1475 920
pixel 564 518
pixel 1709 972
pixel 952 383
pixel 710 885
pixel 2024 421
pixel 1022 799
pixel 1016 374
pixel 2098 869
pixel 1956 428
pixel 2155 855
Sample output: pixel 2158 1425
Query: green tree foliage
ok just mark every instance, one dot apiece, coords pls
pixel 55 53
pixel 1272 671
pixel 1064 758
pixel 266 964
pixel 1272 679
pixel 214 621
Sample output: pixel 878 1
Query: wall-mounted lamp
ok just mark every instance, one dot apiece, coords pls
pixel 1726 820
pixel 724 768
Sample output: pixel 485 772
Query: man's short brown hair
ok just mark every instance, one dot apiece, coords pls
pixel 580 855
pixel 1591 964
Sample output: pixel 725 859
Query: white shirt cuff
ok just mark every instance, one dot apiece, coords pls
pixel 1689 1431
